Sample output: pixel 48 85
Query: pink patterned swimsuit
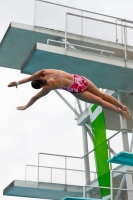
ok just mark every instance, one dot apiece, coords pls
pixel 79 85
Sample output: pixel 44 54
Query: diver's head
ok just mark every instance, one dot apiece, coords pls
pixel 38 83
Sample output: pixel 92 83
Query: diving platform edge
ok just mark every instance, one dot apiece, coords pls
pixel 123 158
pixel 42 190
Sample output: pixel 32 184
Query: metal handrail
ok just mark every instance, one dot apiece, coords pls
pixel 81 16
pixel 102 51
pixel 75 157
pixel 129 21
pixel 107 140
pixel 128 130
pixel 68 169
pixel 108 22
pixel 58 168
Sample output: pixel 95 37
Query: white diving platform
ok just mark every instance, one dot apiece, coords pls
pixel 42 190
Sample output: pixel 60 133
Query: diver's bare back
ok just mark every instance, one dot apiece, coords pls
pixel 66 77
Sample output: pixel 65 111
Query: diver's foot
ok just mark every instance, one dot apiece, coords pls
pixel 125 115
pixel 124 108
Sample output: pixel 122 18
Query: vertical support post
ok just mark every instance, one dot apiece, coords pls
pixel 38 169
pixel 85 105
pixel 51 174
pixel 79 105
pixel 121 186
pixel 111 184
pixel 131 144
pixel 25 171
pixel 66 33
pixel 126 32
pixel 123 125
pixel 83 191
pixel 121 33
pixel 125 45
pixel 116 31
pixel 81 25
pixel 35 13
pixel 65 173
pixel 109 154
pixel 86 158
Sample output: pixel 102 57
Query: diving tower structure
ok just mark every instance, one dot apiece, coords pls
pixel 97 46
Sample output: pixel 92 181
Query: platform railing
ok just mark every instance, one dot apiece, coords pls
pixel 54 163
pixel 55 175
pixel 87 25
pixel 89 188
pixel 110 150
pixel 49 8
pixel 123 51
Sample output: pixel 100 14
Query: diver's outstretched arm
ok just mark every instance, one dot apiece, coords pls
pixel 40 94
pixel 25 80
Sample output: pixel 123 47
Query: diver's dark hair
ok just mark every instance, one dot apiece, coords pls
pixel 37 83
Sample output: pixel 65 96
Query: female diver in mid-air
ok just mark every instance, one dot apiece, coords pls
pixel 79 86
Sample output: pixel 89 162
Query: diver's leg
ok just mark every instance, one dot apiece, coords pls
pixel 91 98
pixel 108 98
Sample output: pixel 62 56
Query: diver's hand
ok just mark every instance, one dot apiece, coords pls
pixel 12 84
pixel 21 108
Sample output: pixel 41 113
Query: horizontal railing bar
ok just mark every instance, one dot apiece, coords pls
pixel 129 21
pixel 108 188
pixel 111 52
pixel 118 132
pixel 60 155
pixel 122 172
pixel 56 168
pixel 107 140
pixel 99 20
pixel 88 152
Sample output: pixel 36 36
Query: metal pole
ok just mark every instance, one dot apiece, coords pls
pixel 121 186
pixel 126 32
pixel 123 124
pixel 127 103
pixel 109 154
pixel 84 10
pixel 79 105
pixel 83 191
pixel 38 170
pixel 99 20
pixel 86 158
pixel 89 131
pixel 66 33
pixel 81 25
pixel 74 110
pixel 86 105
pixel 111 180
pixel 51 174
pixel 121 33
pixel 125 46
pixel 65 173
pixel 131 145
pixel 116 31
pixel 25 171
pixel 35 13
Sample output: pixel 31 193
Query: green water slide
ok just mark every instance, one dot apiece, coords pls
pixel 100 146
